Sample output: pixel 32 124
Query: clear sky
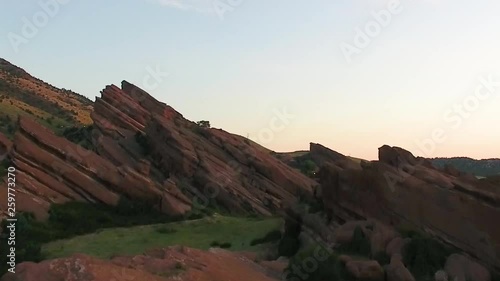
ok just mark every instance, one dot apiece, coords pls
pixel 239 62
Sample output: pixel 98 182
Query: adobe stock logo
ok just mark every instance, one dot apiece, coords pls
pixel 455 116
pixel 277 123
pixel 458 113
pixel 223 6
pixel 153 78
pixel 31 26
pixel 363 37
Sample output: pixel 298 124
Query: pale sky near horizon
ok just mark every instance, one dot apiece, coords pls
pixel 263 56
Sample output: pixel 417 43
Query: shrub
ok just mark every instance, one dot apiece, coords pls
pixel 308 167
pixel 272 236
pixel 202 131
pixel 89 217
pixel 80 135
pixel 290 243
pixel 144 143
pixel 4 166
pixel 29 250
pixel 424 256
pixel 11 128
pixel 180 266
pixel 288 246
pixel 203 124
pixel 382 257
pixel 225 245
pixel 359 245
pixel 408 231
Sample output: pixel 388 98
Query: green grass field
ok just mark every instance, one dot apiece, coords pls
pixel 195 234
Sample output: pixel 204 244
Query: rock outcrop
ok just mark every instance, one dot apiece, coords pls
pixel 396 271
pixel 365 270
pixel 175 263
pixel 51 169
pixel 401 188
pixel 461 268
pixel 145 150
pixel 209 165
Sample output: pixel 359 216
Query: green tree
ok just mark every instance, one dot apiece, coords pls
pixel 359 245
pixel 424 256
pixel 203 124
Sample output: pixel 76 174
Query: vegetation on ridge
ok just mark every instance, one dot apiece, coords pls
pixel 24 95
pixel 481 168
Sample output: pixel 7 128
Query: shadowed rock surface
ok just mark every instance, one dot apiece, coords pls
pixel 400 188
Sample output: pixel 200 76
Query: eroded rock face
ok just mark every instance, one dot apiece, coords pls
pixel 175 263
pixel 401 188
pixel 238 174
pixel 322 155
pixel 461 268
pixel 51 169
pixel 208 165
pixel 146 150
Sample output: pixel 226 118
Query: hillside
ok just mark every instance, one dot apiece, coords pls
pixel 24 95
pixel 144 150
pixel 143 180
pixel 481 168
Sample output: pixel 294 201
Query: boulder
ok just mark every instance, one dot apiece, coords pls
pixel 380 238
pixel 365 270
pixel 396 156
pixel 396 270
pixel 441 275
pixel 461 268
pixel 396 246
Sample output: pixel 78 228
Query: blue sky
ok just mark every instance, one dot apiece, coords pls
pixel 237 69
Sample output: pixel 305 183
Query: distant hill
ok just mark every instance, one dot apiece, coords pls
pixel 23 94
pixel 482 168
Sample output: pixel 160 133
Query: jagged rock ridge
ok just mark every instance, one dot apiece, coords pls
pixel 177 164
pixel 402 189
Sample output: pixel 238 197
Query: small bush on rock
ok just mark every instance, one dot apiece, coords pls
pixel 272 236
pixel 423 256
pixel 359 245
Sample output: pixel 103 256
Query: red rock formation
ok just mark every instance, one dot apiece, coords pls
pixel 208 164
pixel 401 188
pixel 175 263
pixel 51 169
pixel 322 155
pixel 183 162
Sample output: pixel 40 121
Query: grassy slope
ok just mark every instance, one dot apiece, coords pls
pixel 25 95
pixel 196 234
